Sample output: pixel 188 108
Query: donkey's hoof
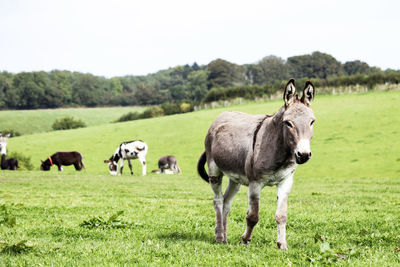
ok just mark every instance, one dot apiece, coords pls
pixel 220 238
pixel 219 241
pixel 245 241
pixel 282 246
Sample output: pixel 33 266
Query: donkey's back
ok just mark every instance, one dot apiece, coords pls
pixel 229 140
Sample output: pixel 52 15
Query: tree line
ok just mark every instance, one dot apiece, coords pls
pixel 192 84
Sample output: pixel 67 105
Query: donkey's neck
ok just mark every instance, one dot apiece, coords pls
pixel 115 157
pixel 273 150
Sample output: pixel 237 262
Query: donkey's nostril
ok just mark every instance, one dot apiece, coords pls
pixel 309 155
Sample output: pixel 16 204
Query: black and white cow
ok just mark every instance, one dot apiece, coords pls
pixel 128 150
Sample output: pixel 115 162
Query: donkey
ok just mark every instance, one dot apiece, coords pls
pixel 63 158
pixel 128 150
pixel 6 164
pixel 167 165
pixel 258 150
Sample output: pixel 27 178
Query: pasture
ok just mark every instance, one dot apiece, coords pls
pixel 41 120
pixel 343 208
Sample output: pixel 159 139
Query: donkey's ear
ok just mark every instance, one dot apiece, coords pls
pixel 308 93
pixel 290 92
pixel 8 135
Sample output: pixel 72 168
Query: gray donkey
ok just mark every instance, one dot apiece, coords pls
pixel 258 150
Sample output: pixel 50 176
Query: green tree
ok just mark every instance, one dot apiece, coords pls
pixel 30 87
pixel 197 85
pixel 85 90
pixel 316 65
pixel 5 86
pixel 269 69
pixel 115 86
pixel 356 67
pixel 62 82
pixel 222 73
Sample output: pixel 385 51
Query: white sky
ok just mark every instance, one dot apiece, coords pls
pixel 117 37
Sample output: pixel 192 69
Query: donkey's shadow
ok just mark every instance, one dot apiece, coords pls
pixel 181 236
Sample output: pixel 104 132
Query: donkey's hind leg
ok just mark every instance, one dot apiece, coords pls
pixel 230 193
pixel 130 166
pixel 215 176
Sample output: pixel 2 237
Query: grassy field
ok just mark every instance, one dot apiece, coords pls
pixel 38 121
pixel 344 206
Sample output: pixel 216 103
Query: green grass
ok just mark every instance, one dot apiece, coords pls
pixel 41 120
pixel 347 197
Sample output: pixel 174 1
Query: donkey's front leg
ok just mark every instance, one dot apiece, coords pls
pixel 121 166
pixel 283 191
pixel 252 213
pixel 143 162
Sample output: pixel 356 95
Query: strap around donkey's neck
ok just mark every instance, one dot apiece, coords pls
pixel 51 162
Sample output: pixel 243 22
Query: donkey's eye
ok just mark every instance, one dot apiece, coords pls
pixel 289 124
pixel 311 123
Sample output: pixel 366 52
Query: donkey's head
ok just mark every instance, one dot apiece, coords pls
pixel 45 166
pixel 112 166
pixel 298 120
pixel 3 144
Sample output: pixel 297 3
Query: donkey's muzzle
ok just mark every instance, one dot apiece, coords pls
pixel 302 157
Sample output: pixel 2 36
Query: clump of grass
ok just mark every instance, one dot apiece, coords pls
pixel 112 222
pixel 130 116
pixel 24 162
pixel 16 248
pixel 67 123
pixel 12 132
pixel 6 218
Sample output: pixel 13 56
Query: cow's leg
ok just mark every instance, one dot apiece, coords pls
pixel 215 179
pixel 130 166
pixel 252 213
pixel 60 168
pixel 143 162
pixel 230 192
pixel 121 166
pixel 283 191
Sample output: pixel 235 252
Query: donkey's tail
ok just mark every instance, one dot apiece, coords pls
pixel 200 167
pixel 179 169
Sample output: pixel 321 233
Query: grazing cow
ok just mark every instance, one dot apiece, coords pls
pixel 6 164
pixel 167 165
pixel 258 150
pixel 63 158
pixel 128 150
